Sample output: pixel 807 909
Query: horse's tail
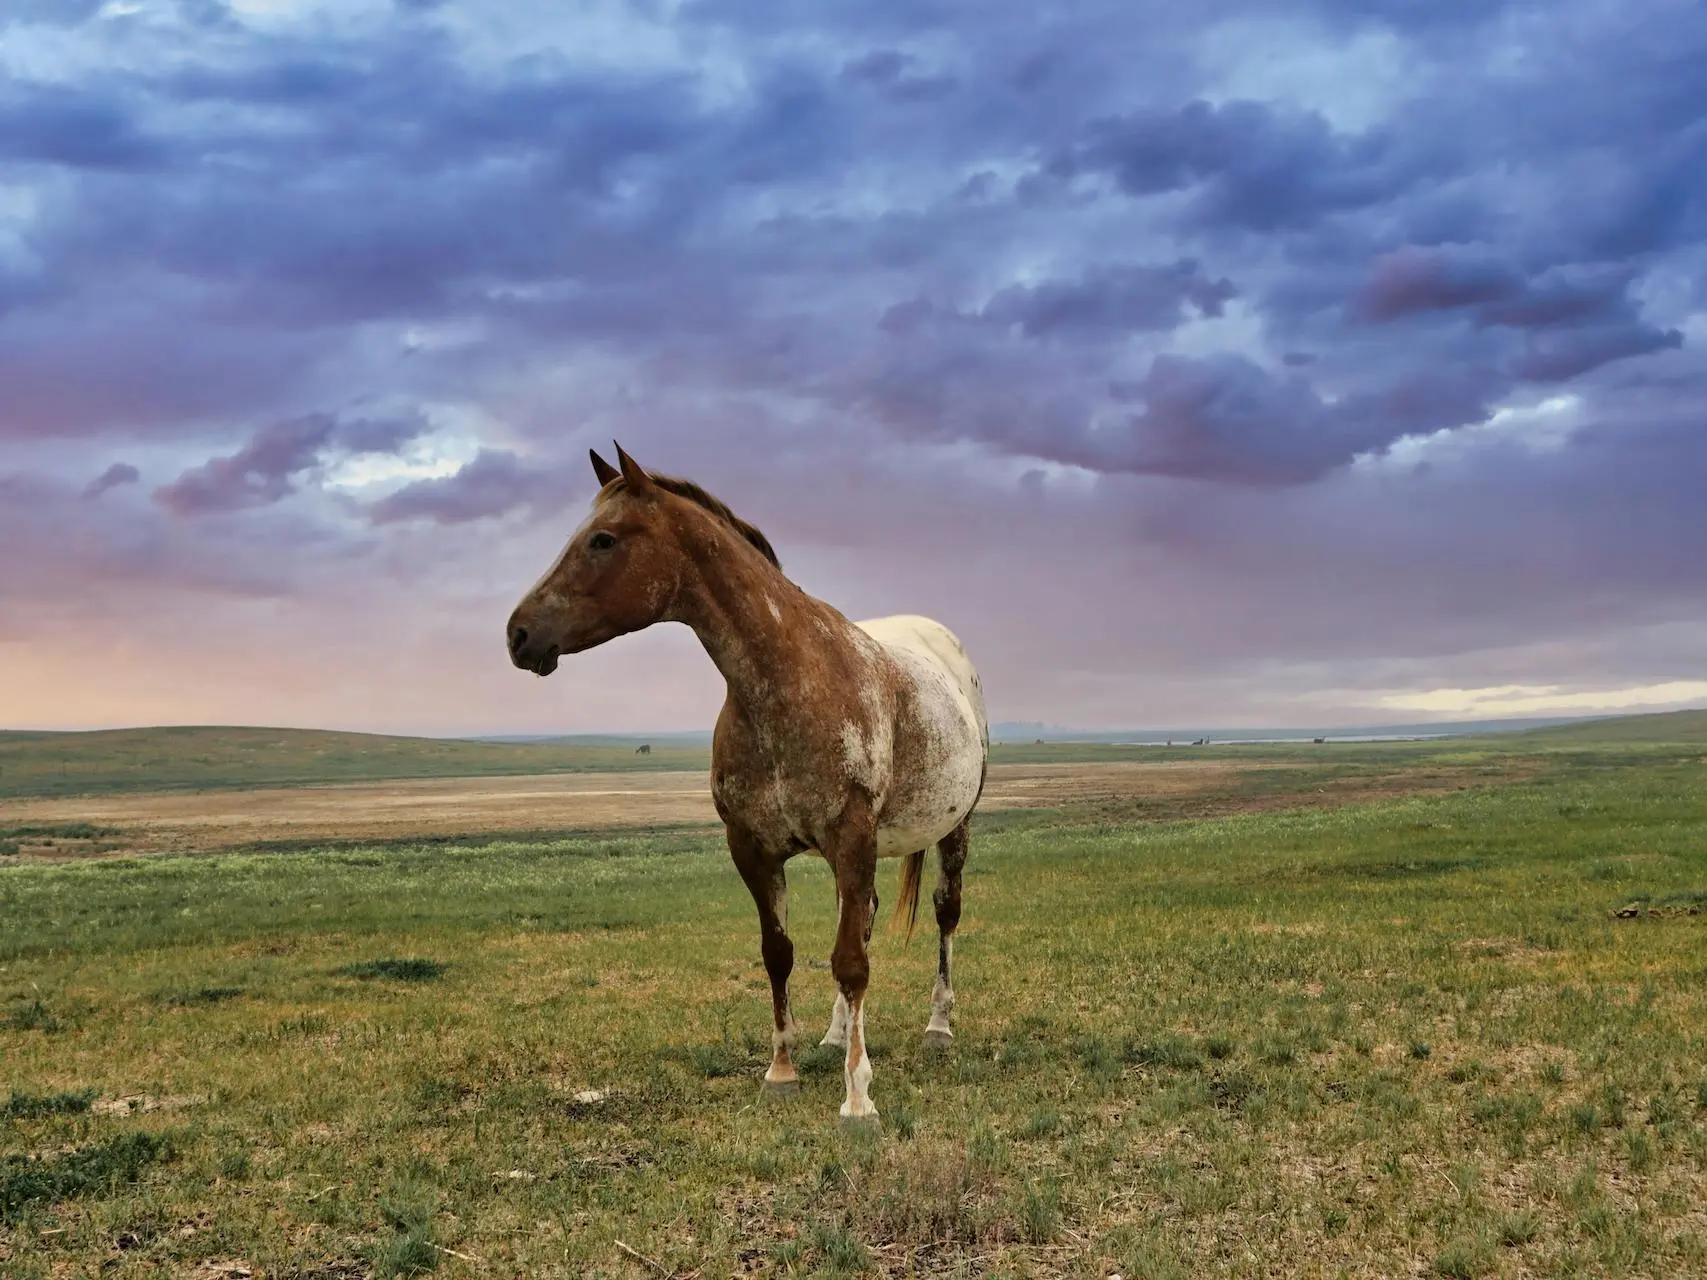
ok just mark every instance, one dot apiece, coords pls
pixel 907 902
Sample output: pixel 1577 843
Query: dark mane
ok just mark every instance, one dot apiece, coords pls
pixel 716 506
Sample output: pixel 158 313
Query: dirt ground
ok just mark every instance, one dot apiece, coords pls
pixel 201 821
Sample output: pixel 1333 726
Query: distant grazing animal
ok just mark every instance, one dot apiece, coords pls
pixel 855 741
pixel 644 749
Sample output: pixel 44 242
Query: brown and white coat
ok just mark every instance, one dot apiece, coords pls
pixel 856 741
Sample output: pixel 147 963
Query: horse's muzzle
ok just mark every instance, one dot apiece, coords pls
pixel 530 655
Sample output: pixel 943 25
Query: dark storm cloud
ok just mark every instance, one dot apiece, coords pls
pixel 259 473
pixel 115 475
pixel 1574 318
pixel 896 76
pixel 1412 280
pixel 495 483
pixel 1559 357
pixel 1248 165
pixel 267 468
pixel 67 13
pixel 1113 298
pixel 1227 419
pixel 52 126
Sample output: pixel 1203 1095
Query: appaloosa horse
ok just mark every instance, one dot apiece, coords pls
pixel 857 741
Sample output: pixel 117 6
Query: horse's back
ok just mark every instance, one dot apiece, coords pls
pixel 929 639
pixel 938 766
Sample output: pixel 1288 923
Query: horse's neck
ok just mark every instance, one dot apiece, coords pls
pixel 758 627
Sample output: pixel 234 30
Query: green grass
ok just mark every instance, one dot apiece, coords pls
pixel 1398 1038
pixel 1663 727
pixel 175 758
pixel 1330 754
pixel 32 1106
pixel 107 1166
pixel 83 836
pixel 409 970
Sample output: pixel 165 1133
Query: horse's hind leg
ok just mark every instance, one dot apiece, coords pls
pixel 951 857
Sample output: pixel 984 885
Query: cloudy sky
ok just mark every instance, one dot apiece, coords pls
pixel 1231 363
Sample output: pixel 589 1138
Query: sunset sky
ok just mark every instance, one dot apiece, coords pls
pixel 1217 364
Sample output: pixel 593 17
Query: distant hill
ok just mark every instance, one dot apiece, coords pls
pixel 34 763
pixel 49 764
pixel 1031 731
pixel 1659 726
pixel 674 738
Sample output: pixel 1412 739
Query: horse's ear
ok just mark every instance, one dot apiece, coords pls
pixel 602 469
pixel 638 481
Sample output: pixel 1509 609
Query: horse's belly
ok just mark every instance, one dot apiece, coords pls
pixel 937 768
pixel 910 835
pixel 921 810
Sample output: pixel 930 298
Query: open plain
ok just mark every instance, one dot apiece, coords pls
pixel 1366 1010
pixel 200 821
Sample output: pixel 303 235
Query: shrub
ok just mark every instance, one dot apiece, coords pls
pixel 28 1180
pixel 411 970
pixel 31 1106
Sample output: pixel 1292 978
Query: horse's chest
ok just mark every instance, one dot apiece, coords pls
pixel 779 804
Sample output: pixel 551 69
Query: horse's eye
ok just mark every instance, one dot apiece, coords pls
pixel 601 541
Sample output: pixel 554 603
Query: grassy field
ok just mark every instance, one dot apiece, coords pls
pixel 126 760
pixel 1409 1036
pixel 1666 727
pixel 119 761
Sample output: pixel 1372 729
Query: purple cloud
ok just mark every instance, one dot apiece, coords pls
pixel 1317 314
pixel 1561 356
pixel 1575 318
pixel 893 74
pixel 1112 299
pixel 118 474
pixel 1413 280
pixel 495 483
pixel 1249 165
pixel 50 126
pixel 265 470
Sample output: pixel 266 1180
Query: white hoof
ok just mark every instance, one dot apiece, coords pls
pixel 866 1116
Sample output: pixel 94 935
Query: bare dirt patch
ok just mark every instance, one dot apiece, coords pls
pixel 142 1103
pixel 204 821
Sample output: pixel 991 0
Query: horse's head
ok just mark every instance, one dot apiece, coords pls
pixel 620 572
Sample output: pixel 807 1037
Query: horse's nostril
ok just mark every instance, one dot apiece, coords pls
pixel 518 637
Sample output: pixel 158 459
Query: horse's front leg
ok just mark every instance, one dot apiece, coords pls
pixel 768 884
pixel 855 862
pixel 837 1035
